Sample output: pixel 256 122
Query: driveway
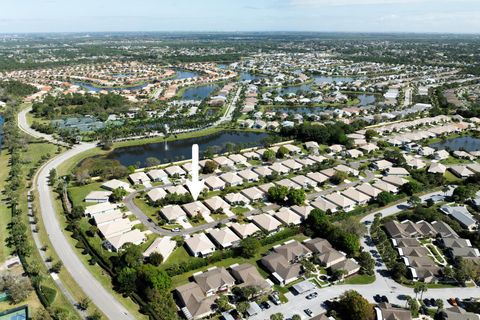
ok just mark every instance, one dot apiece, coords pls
pixel 383 284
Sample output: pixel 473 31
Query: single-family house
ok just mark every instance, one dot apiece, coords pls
pixel 199 245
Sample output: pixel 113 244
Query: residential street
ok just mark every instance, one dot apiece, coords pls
pixel 382 285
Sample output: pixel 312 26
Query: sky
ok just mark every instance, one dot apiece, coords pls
pixel 437 16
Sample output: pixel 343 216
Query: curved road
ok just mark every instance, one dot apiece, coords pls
pixel 92 288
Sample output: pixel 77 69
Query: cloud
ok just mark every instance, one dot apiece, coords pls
pixel 319 3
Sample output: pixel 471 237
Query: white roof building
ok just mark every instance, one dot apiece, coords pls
pixel 157 175
pixel 173 213
pixel 324 205
pixel 195 208
pixel 231 179
pixel 115 184
pixel 369 190
pixel 175 170
pixel 163 246
pixel 139 177
pixel 215 183
pixel 236 199
pixel 253 194
pixel 108 217
pixel 279 168
pixel 115 228
pixel 317 177
pixel 98 196
pixel 357 196
pixel 288 217
pixel 437 167
pixel 156 194
pixel 266 222
pixel 244 230
pixel 199 245
pixel 134 236
pixel 224 237
pixel 263 171
pixel 215 203
pixel 340 201
pixel 100 208
pixel 248 175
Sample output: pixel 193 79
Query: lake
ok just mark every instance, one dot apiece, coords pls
pixel 184 74
pixel 182 149
pixel 466 143
pixel 199 93
pixel 89 87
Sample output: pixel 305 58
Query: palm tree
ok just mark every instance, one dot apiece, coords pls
pixel 439 304
pixel 420 287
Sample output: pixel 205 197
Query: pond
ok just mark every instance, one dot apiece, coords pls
pixel 294 89
pixel 247 76
pixel 184 74
pixel 182 149
pixel 366 99
pixel 89 87
pixel 466 143
pixel 199 93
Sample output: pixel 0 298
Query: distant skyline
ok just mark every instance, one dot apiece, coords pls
pixel 419 16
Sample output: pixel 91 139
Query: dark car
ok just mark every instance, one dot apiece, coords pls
pixel 308 312
pixel 312 295
pixel 265 305
pixel 327 304
pixel 377 298
pixel 459 303
pixel 384 299
pixel 426 302
pixel 274 299
pixel 433 302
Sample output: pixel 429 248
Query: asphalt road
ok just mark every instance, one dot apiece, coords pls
pixel 92 288
pixel 107 303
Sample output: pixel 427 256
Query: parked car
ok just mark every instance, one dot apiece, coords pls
pixel 175 229
pixel 275 299
pixel 433 302
pixel 426 302
pixel 452 302
pixel 384 299
pixel 312 295
pixel 460 303
pixel 308 312
pixel 377 298
pixel 265 305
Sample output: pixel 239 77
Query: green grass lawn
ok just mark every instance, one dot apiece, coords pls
pixel 150 211
pixel 78 194
pixel 5 213
pixel 239 210
pixel 450 177
pixel 360 279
